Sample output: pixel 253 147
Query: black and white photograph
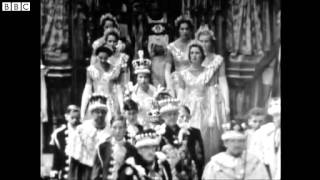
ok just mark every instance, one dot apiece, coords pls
pixel 160 89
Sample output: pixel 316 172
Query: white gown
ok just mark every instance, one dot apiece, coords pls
pixel 144 101
pixel 198 96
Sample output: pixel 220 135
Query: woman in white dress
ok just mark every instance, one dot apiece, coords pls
pixel 194 87
pixel 100 79
pixel 178 49
pixel 218 93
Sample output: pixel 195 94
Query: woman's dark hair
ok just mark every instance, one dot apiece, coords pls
pixel 130 105
pixel 114 33
pixel 118 118
pixel 190 25
pixel 115 24
pixel 104 49
pixel 201 50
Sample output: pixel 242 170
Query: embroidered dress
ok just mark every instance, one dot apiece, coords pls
pixel 144 100
pixel 102 82
pixel 180 58
pixel 212 132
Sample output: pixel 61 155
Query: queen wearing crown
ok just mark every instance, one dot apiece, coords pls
pixel 142 91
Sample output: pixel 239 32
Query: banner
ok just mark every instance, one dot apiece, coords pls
pixel 55 31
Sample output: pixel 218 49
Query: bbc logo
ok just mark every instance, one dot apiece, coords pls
pixel 15 6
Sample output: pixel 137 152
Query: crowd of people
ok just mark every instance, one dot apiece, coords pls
pixel 173 123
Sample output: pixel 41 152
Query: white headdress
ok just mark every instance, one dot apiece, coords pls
pixel 205 30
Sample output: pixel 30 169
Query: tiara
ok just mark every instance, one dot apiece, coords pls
pixel 110 17
pixel 141 65
pixel 110 30
pixel 205 29
pixel 195 43
pixel 183 18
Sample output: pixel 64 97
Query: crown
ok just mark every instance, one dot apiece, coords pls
pixel 141 65
pixel 204 29
pixel 154 112
pixel 109 17
pixel 113 31
pixel 147 138
pixel 97 101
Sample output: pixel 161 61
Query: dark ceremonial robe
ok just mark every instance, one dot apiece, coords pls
pixel 194 144
pixel 110 157
pixel 160 169
pixel 170 136
pixel 82 149
pixel 195 148
pixel 59 141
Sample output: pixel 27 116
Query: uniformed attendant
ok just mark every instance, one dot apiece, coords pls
pixel 169 113
pixel 193 138
pixel 112 153
pixel 182 164
pixel 59 141
pixel 131 111
pixel 149 164
pixel 235 163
